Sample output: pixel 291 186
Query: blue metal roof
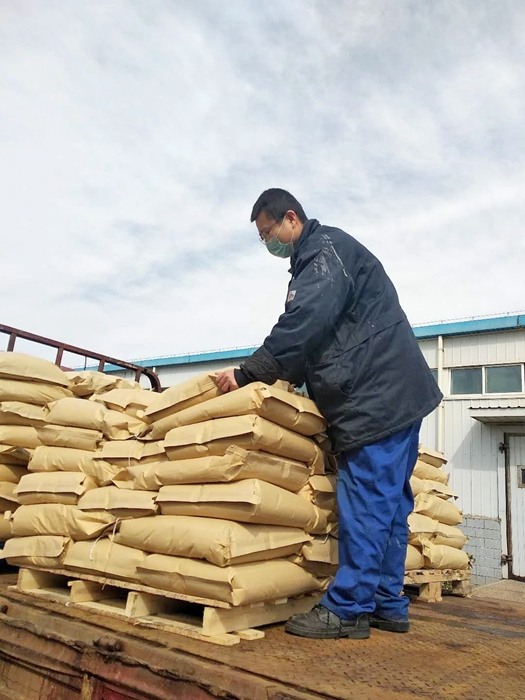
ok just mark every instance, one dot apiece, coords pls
pixel 480 325
pixel 477 325
pixel 197 357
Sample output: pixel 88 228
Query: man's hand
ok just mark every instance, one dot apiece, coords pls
pixel 226 380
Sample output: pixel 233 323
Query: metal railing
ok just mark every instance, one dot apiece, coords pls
pixel 103 360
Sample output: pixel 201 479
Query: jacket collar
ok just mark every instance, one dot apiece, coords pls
pixel 309 227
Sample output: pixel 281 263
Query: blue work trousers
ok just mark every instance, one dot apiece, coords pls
pixel 374 499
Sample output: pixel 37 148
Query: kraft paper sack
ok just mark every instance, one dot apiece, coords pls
pixel 76 413
pixel 249 432
pixel 5 528
pixel 12 473
pixel 234 465
pixel 101 472
pixel 122 503
pixel 58 519
pixel 153 452
pixel 414 559
pixel 67 459
pixel 289 410
pixel 181 396
pixel 421 527
pixel 436 459
pixel 322 491
pixel 422 470
pixel 419 524
pixel 18 365
pixel 121 453
pixel 54 459
pixel 88 382
pixel 239 585
pixel 320 556
pixel 131 401
pixel 19 413
pixel 31 392
pixel 8 497
pixel 435 488
pixel 220 542
pixel 105 558
pixel 122 426
pixel 439 556
pixel 14 455
pixel 437 508
pixel 321 549
pixel 450 536
pixel 53 487
pixel 19 436
pixel 130 477
pixel 127 453
pixel 47 551
pixel 248 501
pixel 62 436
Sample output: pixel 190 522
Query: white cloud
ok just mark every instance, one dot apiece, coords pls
pixel 135 137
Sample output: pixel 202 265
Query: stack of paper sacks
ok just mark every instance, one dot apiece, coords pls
pixel 235 508
pixel 27 384
pixel 435 540
pixel 215 496
pixel 64 462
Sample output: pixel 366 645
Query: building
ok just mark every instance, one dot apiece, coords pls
pixel 480 426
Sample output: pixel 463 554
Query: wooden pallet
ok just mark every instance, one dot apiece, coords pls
pixel 199 618
pixel 430 583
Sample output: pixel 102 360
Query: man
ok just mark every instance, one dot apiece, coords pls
pixel 344 333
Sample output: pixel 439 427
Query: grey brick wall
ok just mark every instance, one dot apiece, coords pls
pixel 485 546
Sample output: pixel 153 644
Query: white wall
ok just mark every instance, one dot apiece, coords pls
pixel 429 350
pixel 471 448
pixel 485 349
pixel 179 373
pixel 174 374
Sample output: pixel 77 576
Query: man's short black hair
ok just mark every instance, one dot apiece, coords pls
pixel 275 203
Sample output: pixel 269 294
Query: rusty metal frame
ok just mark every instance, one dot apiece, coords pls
pixel 103 360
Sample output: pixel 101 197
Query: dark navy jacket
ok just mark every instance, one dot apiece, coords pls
pixel 345 334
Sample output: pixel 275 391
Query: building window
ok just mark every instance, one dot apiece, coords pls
pixel 434 373
pixel 503 380
pixel 466 381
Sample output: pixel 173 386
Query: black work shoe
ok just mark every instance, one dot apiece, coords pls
pixel 382 623
pixel 321 623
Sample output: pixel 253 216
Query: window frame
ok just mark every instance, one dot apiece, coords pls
pixel 468 368
pixel 485 393
pixel 502 393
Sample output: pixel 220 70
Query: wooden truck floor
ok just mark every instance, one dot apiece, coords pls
pixel 460 649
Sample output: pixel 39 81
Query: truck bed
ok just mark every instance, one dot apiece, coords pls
pixel 462 648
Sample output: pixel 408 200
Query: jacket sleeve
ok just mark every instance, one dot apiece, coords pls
pixel 317 295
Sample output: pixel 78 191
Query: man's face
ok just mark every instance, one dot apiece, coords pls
pixel 286 230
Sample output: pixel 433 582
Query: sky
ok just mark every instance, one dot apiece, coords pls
pixel 135 136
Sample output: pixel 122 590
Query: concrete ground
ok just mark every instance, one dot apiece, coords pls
pixel 507 591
